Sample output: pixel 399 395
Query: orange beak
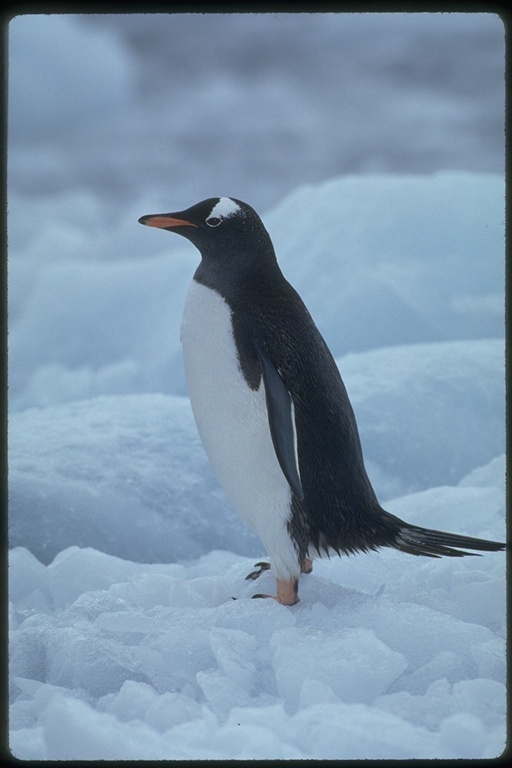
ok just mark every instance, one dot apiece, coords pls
pixel 164 221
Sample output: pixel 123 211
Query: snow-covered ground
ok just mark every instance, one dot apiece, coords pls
pixel 125 642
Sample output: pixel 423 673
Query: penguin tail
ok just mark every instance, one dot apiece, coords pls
pixel 430 543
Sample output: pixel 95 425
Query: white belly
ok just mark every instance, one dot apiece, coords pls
pixel 233 425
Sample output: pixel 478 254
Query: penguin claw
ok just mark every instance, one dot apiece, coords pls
pixel 287 592
pixel 287 589
pixel 262 567
pixel 281 601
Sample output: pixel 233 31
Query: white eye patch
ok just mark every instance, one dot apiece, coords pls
pixel 224 208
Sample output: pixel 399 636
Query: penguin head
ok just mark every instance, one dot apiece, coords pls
pixel 227 232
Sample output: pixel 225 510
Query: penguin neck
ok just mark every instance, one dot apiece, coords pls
pixel 244 274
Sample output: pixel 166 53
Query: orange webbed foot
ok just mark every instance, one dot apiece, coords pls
pixel 287 592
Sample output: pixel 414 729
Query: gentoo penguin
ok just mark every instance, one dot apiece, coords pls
pixel 271 408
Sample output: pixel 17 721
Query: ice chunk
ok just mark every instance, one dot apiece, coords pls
pixel 353 663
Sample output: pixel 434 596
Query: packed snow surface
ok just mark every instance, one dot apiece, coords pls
pixel 125 639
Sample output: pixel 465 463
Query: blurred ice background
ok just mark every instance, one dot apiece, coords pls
pixel 372 145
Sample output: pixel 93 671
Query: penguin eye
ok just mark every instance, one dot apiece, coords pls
pixel 213 221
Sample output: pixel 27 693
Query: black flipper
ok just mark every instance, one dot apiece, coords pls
pixel 280 417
